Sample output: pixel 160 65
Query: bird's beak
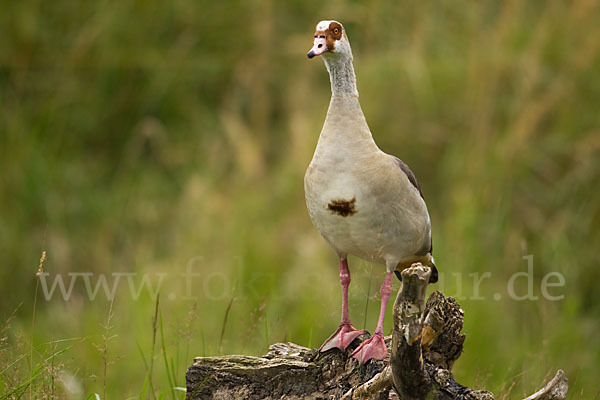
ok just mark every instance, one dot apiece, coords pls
pixel 319 47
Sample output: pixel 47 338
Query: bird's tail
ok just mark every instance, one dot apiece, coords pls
pixel 433 278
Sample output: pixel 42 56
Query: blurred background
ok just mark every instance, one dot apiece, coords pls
pixel 153 138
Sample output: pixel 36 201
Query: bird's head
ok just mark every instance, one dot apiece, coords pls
pixel 330 38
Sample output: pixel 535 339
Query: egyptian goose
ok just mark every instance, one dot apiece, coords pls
pixel 363 201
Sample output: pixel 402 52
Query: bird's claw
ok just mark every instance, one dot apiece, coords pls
pixel 341 338
pixel 372 348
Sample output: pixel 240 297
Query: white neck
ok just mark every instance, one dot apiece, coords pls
pixel 341 74
pixel 345 130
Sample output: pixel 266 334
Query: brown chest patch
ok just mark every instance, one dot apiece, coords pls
pixel 344 208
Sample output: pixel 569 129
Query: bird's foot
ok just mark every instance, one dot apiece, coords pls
pixel 372 348
pixel 341 338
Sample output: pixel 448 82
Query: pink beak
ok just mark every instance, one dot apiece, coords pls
pixel 319 46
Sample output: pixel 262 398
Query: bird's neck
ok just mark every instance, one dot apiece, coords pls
pixel 341 74
pixel 345 130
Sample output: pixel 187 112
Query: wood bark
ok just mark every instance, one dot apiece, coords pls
pixel 425 343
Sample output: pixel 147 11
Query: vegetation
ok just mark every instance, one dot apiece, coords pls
pixel 152 137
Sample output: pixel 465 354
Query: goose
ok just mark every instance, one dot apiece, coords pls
pixel 363 201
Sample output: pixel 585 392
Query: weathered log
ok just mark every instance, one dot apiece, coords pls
pixel 425 343
pixel 287 371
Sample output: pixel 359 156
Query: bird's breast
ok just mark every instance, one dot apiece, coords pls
pixel 359 215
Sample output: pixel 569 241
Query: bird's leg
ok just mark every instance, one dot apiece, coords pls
pixel 374 347
pixel 346 332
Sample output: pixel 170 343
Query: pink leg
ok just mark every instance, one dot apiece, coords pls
pixel 346 332
pixel 374 347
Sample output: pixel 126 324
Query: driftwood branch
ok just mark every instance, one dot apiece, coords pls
pixel 408 370
pixel 427 339
pixel 425 343
pixel 556 389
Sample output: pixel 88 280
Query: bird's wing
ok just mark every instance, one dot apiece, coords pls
pixel 413 180
pixel 411 177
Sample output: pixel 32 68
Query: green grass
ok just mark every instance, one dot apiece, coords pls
pixel 138 137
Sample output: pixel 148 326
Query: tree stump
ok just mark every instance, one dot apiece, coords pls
pixel 425 343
